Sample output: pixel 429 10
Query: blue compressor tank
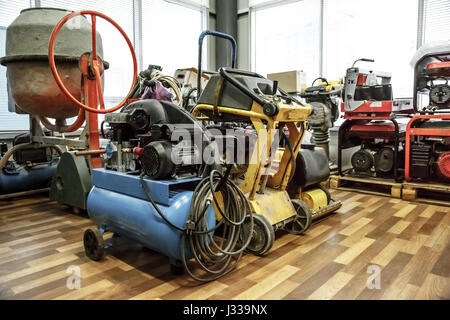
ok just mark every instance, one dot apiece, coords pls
pixel 118 203
pixel 22 178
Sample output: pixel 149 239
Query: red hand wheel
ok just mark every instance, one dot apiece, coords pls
pixel 96 64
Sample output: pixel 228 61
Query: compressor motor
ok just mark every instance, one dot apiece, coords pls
pixel 142 137
pixel 163 159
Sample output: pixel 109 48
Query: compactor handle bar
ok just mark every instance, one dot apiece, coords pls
pixel 200 47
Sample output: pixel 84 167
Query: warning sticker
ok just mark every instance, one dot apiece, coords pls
pixel 376 104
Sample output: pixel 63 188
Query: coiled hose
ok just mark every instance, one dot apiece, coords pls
pixel 173 84
pixel 215 256
pixel 187 97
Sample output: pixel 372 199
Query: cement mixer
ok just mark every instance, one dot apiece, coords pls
pixel 55 69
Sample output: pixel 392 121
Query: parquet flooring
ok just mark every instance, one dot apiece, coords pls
pixel 408 242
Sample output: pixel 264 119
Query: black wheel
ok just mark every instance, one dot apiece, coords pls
pixel 362 160
pixel 327 192
pixel 176 270
pixel 302 220
pixel 93 244
pixel 384 160
pixel 263 235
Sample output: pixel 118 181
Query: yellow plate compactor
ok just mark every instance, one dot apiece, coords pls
pixel 280 177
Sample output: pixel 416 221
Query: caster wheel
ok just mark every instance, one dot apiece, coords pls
pixel 176 270
pixel 263 235
pixel 303 219
pixel 93 244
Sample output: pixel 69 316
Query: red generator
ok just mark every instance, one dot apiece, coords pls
pixel 428 133
pixel 375 122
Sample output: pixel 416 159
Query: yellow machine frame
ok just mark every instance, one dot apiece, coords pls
pixel 274 202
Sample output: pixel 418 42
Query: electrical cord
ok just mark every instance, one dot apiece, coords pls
pixel 187 97
pixel 156 75
pixel 292 158
pixel 173 84
pixel 102 131
pixel 216 257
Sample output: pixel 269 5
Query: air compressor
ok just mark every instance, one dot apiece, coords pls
pixel 26 170
pixel 142 193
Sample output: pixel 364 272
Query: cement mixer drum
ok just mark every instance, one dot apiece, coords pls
pixel 30 80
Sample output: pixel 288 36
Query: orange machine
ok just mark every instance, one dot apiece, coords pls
pixel 428 134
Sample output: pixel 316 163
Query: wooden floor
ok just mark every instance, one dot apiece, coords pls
pixel 409 242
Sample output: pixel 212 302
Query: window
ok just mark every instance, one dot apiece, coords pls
pixel 9 10
pixel 170 35
pixel 202 3
pixel 436 20
pixel 254 3
pixel 286 37
pixel 383 30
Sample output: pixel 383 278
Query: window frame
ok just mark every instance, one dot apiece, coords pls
pixel 137 39
pixel 252 9
pixel 273 4
pixel 137 23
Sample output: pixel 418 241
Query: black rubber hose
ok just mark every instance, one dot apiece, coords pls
pixel 150 198
pixel 213 257
pixel 291 157
pixel 217 257
pixel 102 131
pixel 187 97
pixel 133 91
pixel 319 78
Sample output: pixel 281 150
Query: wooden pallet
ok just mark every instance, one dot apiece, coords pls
pixel 374 186
pixel 326 183
pixel 431 193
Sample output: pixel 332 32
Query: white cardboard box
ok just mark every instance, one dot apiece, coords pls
pixel 290 81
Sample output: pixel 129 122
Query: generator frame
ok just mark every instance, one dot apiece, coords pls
pixel 411 132
pixel 364 112
pixel 344 130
